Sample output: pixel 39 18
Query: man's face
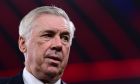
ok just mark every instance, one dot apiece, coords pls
pixel 47 47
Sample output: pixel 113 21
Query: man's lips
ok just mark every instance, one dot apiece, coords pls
pixel 54 58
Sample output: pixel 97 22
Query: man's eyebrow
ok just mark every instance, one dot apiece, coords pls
pixel 65 33
pixel 47 31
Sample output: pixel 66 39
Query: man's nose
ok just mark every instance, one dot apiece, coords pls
pixel 57 44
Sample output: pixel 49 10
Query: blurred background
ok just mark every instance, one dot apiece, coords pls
pixel 106 47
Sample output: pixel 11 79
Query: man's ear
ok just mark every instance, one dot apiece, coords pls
pixel 22 44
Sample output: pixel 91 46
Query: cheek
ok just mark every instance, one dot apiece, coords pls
pixel 66 52
pixel 43 45
pixel 34 52
pixel 35 58
pixel 40 50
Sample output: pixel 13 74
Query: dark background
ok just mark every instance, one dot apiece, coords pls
pixel 106 47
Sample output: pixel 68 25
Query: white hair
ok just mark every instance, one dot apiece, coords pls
pixel 26 23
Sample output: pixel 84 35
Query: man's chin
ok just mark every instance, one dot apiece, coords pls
pixel 52 71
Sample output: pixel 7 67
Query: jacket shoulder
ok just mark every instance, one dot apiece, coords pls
pixel 5 80
pixel 12 80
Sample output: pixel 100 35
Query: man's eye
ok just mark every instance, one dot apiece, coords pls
pixel 65 38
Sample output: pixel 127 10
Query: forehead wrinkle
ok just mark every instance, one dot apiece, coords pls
pixel 49 28
pixel 43 21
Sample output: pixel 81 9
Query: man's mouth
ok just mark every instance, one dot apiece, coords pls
pixel 53 60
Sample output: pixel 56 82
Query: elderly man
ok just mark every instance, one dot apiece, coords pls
pixel 45 38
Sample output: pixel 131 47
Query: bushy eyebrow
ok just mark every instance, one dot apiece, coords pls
pixel 65 33
pixel 53 32
pixel 47 31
